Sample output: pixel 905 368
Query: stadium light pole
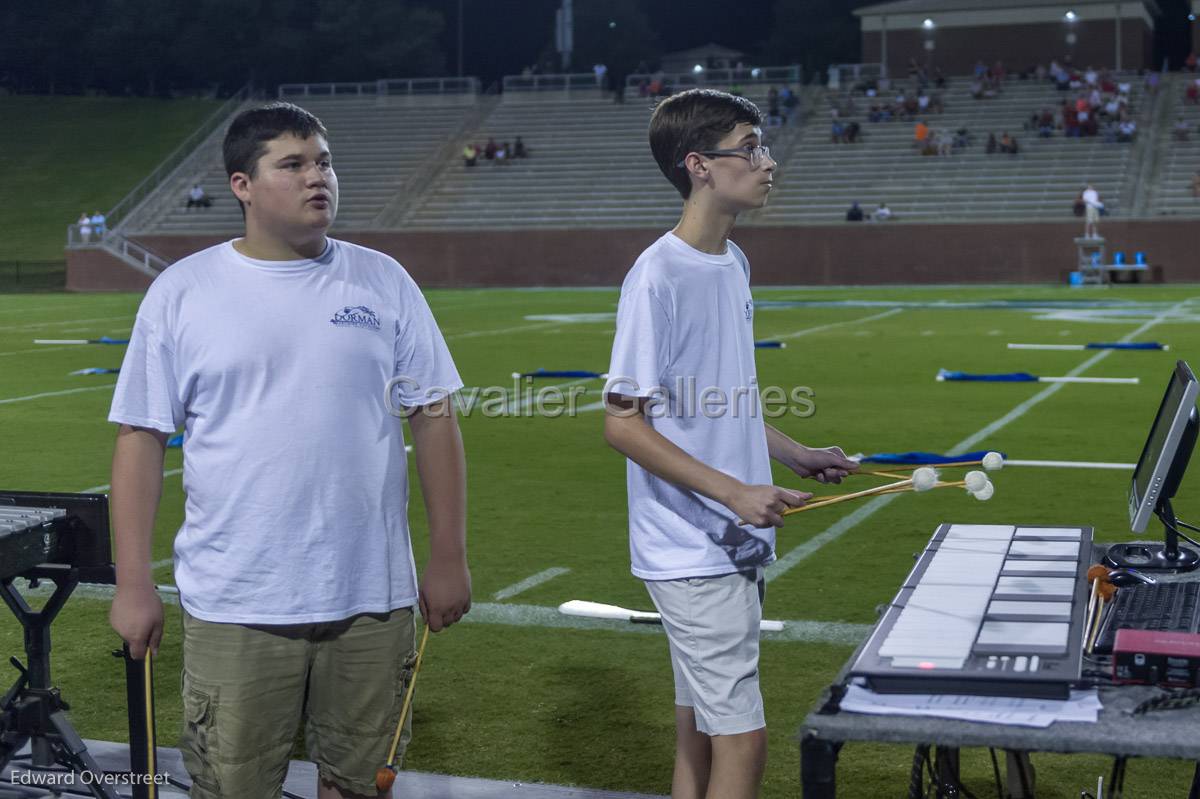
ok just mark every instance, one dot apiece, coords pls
pixel 1117 26
pixel 1070 17
pixel 883 66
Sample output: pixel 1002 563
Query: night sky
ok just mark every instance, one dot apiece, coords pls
pixel 503 36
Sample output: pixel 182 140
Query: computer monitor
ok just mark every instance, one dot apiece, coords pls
pixel 1157 476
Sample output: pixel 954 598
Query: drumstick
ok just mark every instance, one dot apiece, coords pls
pixel 993 461
pixel 386 775
pixel 1107 591
pixel 151 735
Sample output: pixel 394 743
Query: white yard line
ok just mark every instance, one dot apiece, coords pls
pixel 39 349
pixel 517 329
pixel 831 325
pixel 826 632
pixel 38 325
pixel 793 557
pixel 55 393
pixel 530 582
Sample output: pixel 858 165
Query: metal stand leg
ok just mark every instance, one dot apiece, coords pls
pixel 818 767
pixel 1021 779
pixel 946 768
pixel 33 710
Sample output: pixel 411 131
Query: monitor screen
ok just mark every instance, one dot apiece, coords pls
pixel 1167 449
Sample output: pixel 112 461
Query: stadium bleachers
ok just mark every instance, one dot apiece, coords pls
pixel 400 165
pixel 822 179
pixel 589 165
pixel 1178 161
pixel 378 145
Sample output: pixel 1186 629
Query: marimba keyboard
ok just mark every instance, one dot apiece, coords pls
pixel 988 609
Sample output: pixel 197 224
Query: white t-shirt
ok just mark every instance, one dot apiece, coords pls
pixel 1092 198
pixel 685 324
pixel 295 471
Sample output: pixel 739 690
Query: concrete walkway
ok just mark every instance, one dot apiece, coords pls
pixel 301 781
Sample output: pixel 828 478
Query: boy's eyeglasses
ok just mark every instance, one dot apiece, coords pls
pixel 755 155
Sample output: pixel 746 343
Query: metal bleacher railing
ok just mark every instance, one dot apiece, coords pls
pixel 383 87
pixel 146 187
pixel 565 83
pixel 719 77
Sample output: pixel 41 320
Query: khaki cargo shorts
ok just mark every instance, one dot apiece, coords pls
pixel 246 690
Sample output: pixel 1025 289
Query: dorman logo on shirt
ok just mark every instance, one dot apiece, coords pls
pixel 358 316
pixel 749 310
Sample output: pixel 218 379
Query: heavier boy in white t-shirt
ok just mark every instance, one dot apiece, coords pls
pixel 684 409
pixel 288 357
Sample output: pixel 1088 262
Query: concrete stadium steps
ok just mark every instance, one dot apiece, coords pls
pixel 1178 161
pixel 377 145
pixel 821 179
pixel 589 164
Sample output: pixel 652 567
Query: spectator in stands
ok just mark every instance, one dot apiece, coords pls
pixel 502 154
pixel 99 224
pixel 962 138
pixel 774 115
pixel 519 149
pixel 1090 77
pixel 1060 76
pixel 936 105
pixel 837 131
pixel 922 103
pixel 791 101
pixel 1182 130
pixel 197 198
pixel 939 80
pixel 853 131
pixel 1045 123
pixel 992 145
pixel 1192 93
pixel 1070 119
pixel 977 89
pixel 920 134
pixel 1196 184
pixel 1189 63
pixel 943 143
pixel 882 213
pixel 489 149
pixel 470 154
pixel 1126 130
pixel 85 227
pixel 854 213
pixel 1093 207
pixel 1008 144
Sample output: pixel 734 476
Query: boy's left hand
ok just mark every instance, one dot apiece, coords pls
pixel 823 464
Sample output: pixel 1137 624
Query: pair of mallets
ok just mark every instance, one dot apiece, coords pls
pixel 918 480
pixel 384 777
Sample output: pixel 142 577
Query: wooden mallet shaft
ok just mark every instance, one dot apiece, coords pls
pixel 386 775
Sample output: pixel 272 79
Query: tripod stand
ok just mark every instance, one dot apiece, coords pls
pixel 33 711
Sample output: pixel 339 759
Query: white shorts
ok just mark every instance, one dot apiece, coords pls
pixel 712 630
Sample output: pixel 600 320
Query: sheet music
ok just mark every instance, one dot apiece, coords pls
pixel 1083 706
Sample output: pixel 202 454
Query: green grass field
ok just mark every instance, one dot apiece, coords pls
pixel 67 155
pixel 516 693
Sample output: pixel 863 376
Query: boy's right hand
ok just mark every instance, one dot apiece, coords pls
pixel 762 505
pixel 137 616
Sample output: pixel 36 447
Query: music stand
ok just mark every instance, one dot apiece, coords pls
pixel 33 711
